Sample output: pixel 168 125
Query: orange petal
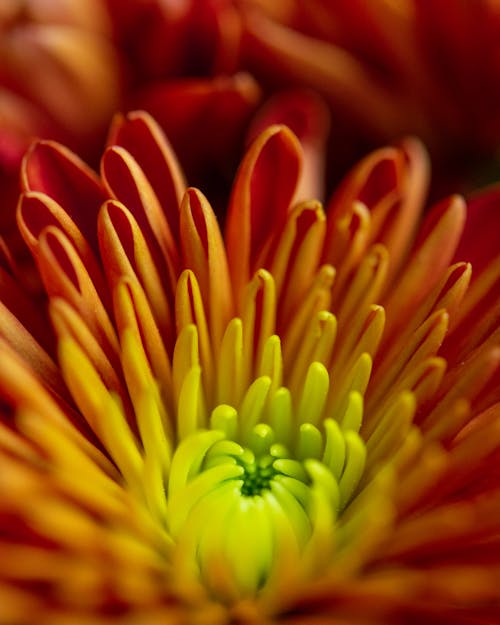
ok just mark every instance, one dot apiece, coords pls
pixel 125 181
pixel 364 288
pixel 327 68
pixel 258 317
pixel 133 313
pixel 127 254
pixel 295 255
pixel 69 324
pixel 432 254
pixel 464 383
pixel 391 183
pixel 477 319
pixel 189 310
pixel 73 64
pixel 65 276
pixel 391 375
pixel 37 211
pixel 25 391
pixel 317 346
pixel 263 191
pixel 14 334
pixel 204 253
pixel 317 300
pixel 143 139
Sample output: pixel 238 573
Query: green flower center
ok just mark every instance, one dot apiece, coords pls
pixel 245 498
pixel 258 473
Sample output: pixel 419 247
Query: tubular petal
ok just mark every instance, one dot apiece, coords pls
pixel 139 134
pixel 68 323
pixel 134 315
pixel 123 244
pixel 189 310
pixel 296 256
pixel 248 229
pixel 438 241
pixel 205 255
pixel 36 212
pixel 51 169
pixel 66 276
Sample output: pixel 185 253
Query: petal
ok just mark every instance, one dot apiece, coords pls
pixel 127 255
pixel 204 253
pixel 263 191
pixel 205 119
pixel 391 183
pixel 18 338
pixel 20 305
pixel 141 136
pixel 479 243
pixel 294 258
pixel 37 211
pixel 126 182
pixel 433 252
pixel 322 66
pixel 52 169
pixel 73 65
pixel 68 324
pixel 65 276
pixel 308 118
pixel 134 315
pixel 189 311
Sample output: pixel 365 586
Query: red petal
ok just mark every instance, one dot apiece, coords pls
pixel 480 243
pixel 141 136
pixel 261 198
pixel 54 170
pixel 307 117
pixel 205 119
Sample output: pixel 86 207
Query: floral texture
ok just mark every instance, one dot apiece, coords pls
pixel 55 58
pixel 389 68
pixel 69 45
pixel 295 422
pixel 68 66
pixel 205 68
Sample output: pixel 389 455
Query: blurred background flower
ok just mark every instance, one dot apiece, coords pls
pixel 206 68
pixel 390 68
pixel 60 77
pixel 296 421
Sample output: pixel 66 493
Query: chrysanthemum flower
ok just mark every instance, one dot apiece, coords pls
pixel 296 421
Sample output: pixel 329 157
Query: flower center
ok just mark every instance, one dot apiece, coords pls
pixel 271 494
pixel 258 473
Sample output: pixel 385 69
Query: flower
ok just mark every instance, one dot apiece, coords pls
pixel 294 422
pixel 388 69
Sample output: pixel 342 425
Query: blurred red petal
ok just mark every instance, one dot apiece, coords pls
pixel 204 119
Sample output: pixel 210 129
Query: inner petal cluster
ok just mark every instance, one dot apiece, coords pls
pixel 255 489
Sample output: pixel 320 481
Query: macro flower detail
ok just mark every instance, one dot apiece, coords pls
pixel 429 69
pixel 295 419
